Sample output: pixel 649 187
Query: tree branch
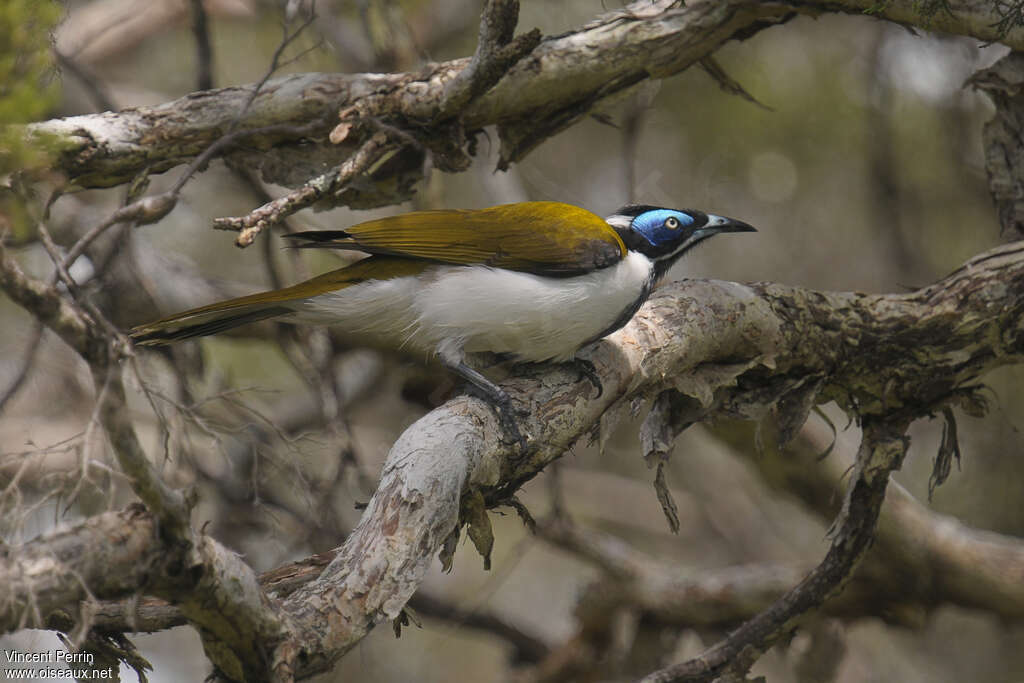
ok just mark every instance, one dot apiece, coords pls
pixel 722 348
pixel 496 52
pixel 882 450
pixel 553 86
pixel 215 589
pixel 921 559
pixel 108 555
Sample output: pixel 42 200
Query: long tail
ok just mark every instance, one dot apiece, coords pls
pixel 224 315
pixel 199 322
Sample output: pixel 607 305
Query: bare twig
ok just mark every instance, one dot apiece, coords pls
pixel 204 49
pixel 496 52
pixel 97 92
pixel 271 213
pixel 882 450
pixel 25 366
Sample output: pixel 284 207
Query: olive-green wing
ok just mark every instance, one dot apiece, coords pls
pixel 547 238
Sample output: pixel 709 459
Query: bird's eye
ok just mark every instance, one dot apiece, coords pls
pixel 672 223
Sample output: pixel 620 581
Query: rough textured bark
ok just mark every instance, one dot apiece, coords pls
pixel 108 555
pixel 1004 83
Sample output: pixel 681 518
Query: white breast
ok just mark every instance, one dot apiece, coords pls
pixel 534 318
pixel 451 309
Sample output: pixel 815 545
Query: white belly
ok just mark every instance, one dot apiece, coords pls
pixel 534 318
pixel 451 309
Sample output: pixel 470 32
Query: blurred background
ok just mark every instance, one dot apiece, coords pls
pixel 860 164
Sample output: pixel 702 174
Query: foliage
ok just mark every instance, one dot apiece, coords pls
pixel 28 89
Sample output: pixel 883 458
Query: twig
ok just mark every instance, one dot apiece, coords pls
pixel 883 447
pixel 727 83
pixel 152 208
pixel 204 50
pixel 97 92
pixel 529 647
pixel 169 505
pixel 271 213
pixel 63 275
pixel 496 52
pixel 275 60
pixel 27 361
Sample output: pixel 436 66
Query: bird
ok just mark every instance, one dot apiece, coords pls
pixel 530 281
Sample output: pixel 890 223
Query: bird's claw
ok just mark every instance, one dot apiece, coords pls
pixel 586 369
pixel 500 402
pixel 507 417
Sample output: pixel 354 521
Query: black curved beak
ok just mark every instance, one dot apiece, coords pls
pixel 717 224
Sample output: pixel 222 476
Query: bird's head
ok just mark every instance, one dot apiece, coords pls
pixel 663 235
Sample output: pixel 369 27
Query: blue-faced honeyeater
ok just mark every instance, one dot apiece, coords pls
pixel 533 281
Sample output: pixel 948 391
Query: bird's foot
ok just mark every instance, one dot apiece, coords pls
pixel 492 394
pixel 501 403
pixel 510 423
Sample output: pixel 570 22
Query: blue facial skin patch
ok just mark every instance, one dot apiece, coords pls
pixel 651 224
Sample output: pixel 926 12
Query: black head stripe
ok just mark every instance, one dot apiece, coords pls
pixel 634 210
pixel 634 241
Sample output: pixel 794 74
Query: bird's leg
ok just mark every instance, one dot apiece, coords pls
pixel 491 393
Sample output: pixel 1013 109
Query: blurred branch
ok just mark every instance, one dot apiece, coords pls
pixel 25 366
pixel 1003 82
pixel 93 86
pixel 204 49
pixel 883 447
pixel 921 559
pixel 528 647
